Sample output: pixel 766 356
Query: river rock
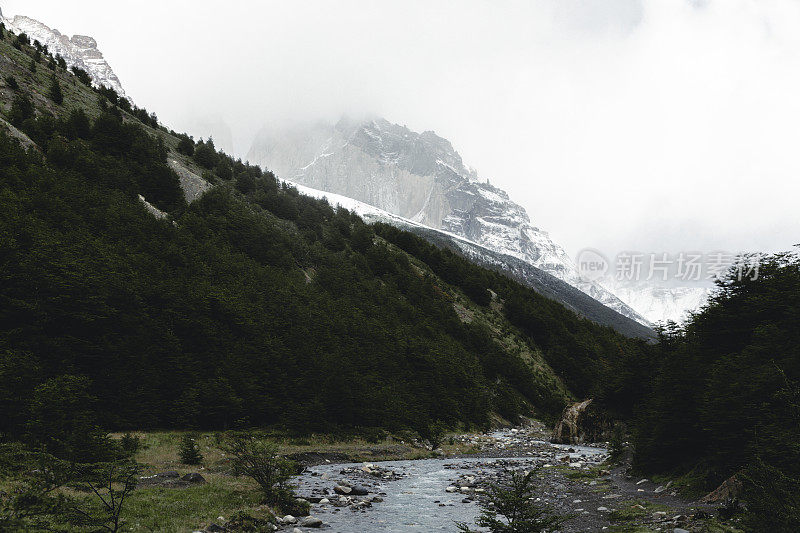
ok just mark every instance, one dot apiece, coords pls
pixel 289 519
pixel 343 490
pixel 358 490
pixel 311 521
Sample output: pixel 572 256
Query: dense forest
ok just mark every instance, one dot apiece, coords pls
pixel 724 395
pixel 253 306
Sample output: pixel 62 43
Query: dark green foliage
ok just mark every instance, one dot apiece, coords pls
pixel 19 374
pixel 36 501
pixel 186 146
pixel 32 66
pixel 63 420
pixel 434 433
pixel 21 109
pixel 130 444
pixel 205 154
pixel 55 93
pixel 62 64
pixel 223 170
pixel 259 460
pixel 725 395
pixel 125 105
pixel 189 451
pixel 22 40
pixel 617 444
pixel 513 509
pixel 82 75
pixel 245 183
pixel 109 94
pixel 590 358
pixel 12 83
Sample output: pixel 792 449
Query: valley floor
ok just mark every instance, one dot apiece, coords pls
pixel 405 487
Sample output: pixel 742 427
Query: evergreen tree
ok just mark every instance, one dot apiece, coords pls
pixel 21 110
pixel 205 154
pixel 55 94
pixel 11 82
pixel 189 450
pixel 186 146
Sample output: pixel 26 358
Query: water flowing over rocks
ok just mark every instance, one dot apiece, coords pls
pixel 433 494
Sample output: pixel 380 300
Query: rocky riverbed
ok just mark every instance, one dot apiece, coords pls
pixel 435 494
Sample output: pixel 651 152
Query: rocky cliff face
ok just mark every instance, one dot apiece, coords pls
pixel 581 423
pixel 420 177
pixel 78 51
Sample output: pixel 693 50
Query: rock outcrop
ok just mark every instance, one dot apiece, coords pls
pixel 730 489
pixel 580 423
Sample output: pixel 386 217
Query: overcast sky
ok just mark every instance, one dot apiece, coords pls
pixel 619 124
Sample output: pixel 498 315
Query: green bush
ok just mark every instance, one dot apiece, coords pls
pixel 130 444
pixel 513 510
pixel 259 460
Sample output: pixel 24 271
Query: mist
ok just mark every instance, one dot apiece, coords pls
pixel 620 125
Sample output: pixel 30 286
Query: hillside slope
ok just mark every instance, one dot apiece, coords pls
pixel 242 302
pixel 420 177
pixel 541 281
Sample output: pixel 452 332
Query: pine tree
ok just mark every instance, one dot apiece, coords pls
pixel 190 451
pixel 55 91
pixel 186 146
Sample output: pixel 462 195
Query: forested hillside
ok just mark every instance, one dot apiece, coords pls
pixel 725 398
pixel 253 305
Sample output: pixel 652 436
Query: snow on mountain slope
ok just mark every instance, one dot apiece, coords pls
pixel 79 51
pixel 419 177
pixel 659 304
pixel 527 274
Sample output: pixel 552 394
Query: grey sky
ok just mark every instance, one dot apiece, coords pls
pixel 619 124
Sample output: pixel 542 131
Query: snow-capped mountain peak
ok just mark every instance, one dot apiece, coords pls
pixel 78 51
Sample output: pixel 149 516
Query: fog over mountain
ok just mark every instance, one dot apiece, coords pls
pixel 618 125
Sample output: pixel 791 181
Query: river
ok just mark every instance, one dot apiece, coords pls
pixel 415 498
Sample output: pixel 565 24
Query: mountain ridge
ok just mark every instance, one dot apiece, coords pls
pixel 420 177
pixel 78 51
